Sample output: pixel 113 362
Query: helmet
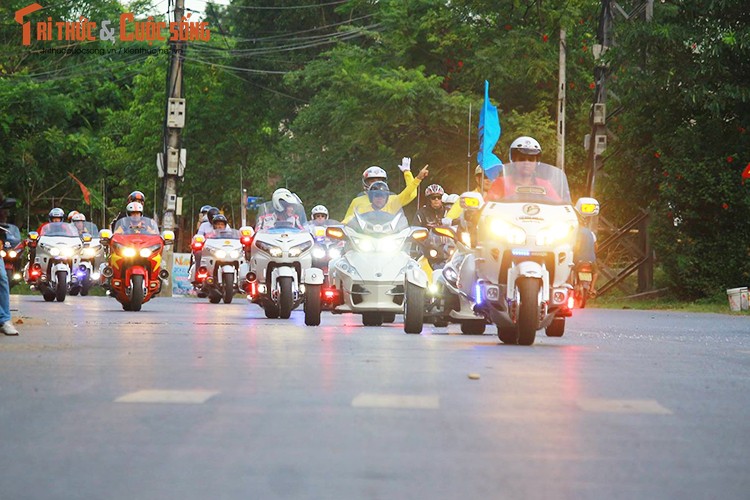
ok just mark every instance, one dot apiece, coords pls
pixel 525 145
pixel 283 197
pixel 205 208
pixel 434 189
pixel 479 170
pixel 378 188
pixel 450 199
pixel 219 218
pixel 373 174
pixel 78 217
pixel 319 209
pixel 71 214
pixel 212 212
pixel 134 206
pixel 137 196
pixel 56 213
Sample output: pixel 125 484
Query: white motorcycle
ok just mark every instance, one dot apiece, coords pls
pixel 58 247
pixel 281 262
pixel 376 276
pixel 519 272
pixel 91 258
pixel 222 263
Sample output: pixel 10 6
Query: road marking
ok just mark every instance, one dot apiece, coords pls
pixel 744 352
pixel 401 401
pixel 161 396
pixel 648 406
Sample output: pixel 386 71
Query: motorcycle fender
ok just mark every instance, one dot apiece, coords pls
pixel 416 276
pixel 527 269
pixel 227 269
pixel 60 266
pixel 137 270
pixel 313 276
pixel 285 271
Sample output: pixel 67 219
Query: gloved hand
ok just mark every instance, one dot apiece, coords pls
pixel 405 165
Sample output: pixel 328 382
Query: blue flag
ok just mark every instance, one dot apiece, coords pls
pixel 489 133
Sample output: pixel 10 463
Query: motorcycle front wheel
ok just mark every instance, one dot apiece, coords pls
pixel 228 279
pixel 413 308
pixel 286 301
pixel 62 285
pixel 528 313
pixel 312 305
pixel 136 293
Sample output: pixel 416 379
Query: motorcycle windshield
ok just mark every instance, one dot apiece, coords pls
pixel 530 182
pixel 136 225
pixel 11 235
pixel 378 213
pixel 59 229
pixel 224 234
pixel 292 218
pixel 86 228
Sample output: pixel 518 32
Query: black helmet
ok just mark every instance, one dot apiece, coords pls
pixel 212 212
pixel 136 196
pixel 219 218
pixel 378 189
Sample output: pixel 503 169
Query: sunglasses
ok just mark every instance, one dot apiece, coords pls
pixel 319 216
pixel 435 197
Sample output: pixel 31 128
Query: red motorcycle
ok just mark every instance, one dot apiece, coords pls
pixel 133 274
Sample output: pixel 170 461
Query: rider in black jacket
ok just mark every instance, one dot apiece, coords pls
pixel 432 213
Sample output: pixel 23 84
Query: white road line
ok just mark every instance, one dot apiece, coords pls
pixel 633 406
pixel 162 396
pixel 400 401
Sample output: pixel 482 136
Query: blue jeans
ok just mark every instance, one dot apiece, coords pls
pixel 4 294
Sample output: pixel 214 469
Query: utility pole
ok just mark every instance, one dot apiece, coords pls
pixel 561 103
pixel 173 157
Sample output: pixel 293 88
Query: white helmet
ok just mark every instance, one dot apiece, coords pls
pixel 525 145
pixel 373 174
pixel 450 199
pixel 134 206
pixel 78 217
pixel 319 209
pixel 434 189
pixel 283 197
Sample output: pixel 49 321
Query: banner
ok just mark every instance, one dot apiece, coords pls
pixel 489 133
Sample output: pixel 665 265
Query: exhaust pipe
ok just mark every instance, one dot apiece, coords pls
pixel 108 272
pixel 164 274
pixel 251 276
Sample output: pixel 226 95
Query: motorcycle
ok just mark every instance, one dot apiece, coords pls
pixel 133 274
pixel 92 257
pixel 324 250
pixel 281 263
pixel 222 263
pixel 58 247
pixel 518 274
pixel 12 253
pixel 377 276
pixel 433 254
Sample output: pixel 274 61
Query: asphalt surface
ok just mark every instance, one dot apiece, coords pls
pixel 191 400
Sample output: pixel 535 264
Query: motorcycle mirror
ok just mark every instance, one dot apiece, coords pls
pixel 105 234
pixel 445 231
pixel 33 235
pixel 247 231
pixel 168 237
pixel 588 207
pixel 86 238
pixel 336 233
pixel 419 234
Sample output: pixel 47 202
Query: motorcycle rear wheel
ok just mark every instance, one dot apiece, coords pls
pixel 271 310
pixel 372 318
pixel 312 305
pixel 473 327
pixel 556 328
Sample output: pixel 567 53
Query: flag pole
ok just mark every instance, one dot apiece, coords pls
pixel 468 154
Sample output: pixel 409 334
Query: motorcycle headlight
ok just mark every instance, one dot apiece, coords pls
pixel 220 254
pixel 298 249
pixel 145 253
pixel 274 251
pixel 334 253
pixel 54 251
pixel 554 233
pixel 511 233
pixel 67 251
pixel 365 244
pixel 12 254
pixel 89 252
pixel 129 252
pixel 318 253
pixel 234 254
pixel 390 245
pixel 2 254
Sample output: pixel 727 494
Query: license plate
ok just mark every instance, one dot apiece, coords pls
pixel 584 276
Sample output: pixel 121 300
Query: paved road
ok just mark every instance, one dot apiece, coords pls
pixel 191 400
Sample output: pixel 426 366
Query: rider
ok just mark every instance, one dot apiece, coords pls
pixel 319 215
pixel 134 213
pixel 219 223
pixel 525 153
pixel 203 217
pixel 284 205
pixel 207 225
pixel 482 185
pixel 79 221
pixel 136 196
pixel 433 212
pixel 54 215
pixel 71 214
pixel 375 174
